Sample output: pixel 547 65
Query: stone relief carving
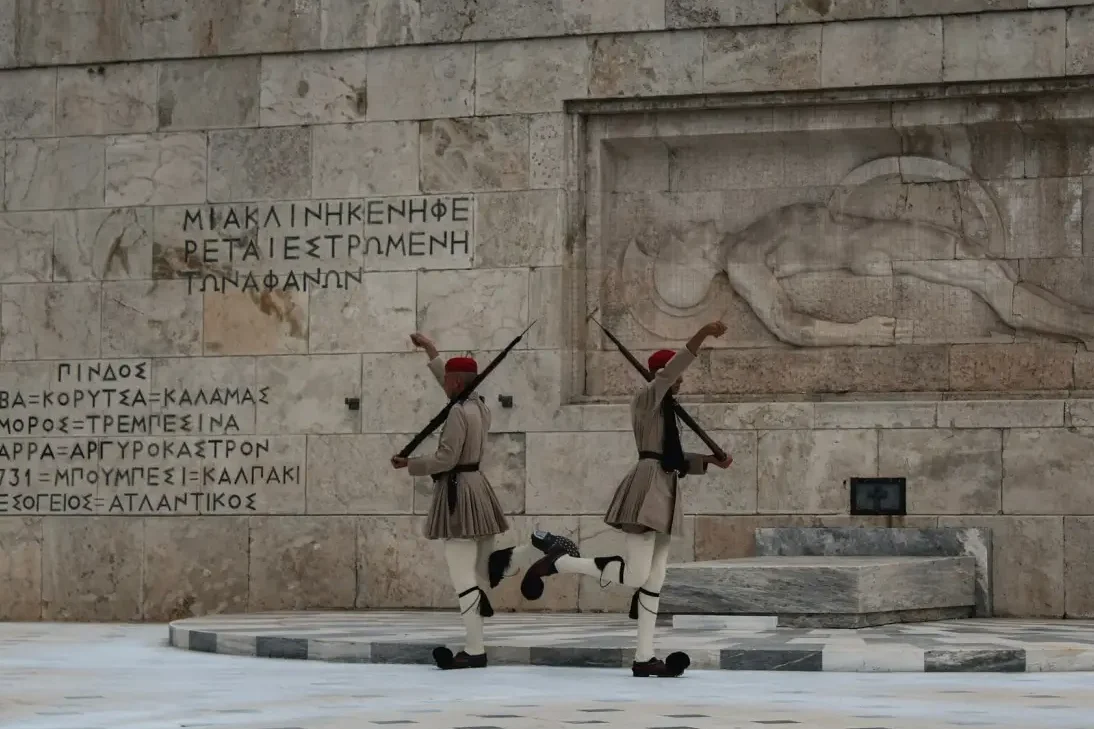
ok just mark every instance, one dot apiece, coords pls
pixel 812 237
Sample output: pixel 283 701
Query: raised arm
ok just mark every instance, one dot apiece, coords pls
pixel 665 377
pixel 436 366
pixel 448 450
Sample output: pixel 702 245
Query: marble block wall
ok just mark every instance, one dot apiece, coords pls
pixel 219 223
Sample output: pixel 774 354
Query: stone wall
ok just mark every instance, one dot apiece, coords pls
pixel 219 233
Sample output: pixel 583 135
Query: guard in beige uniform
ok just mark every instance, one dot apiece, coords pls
pixel 464 512
pixel 646 507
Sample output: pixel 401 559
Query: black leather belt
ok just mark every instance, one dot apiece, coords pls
pixel 649 456
pixel 453 477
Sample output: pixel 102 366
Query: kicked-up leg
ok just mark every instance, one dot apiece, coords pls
pixel 632 571
pixel 507 562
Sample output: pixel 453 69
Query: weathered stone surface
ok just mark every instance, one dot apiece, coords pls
pixel 728 491
pixel 1011 367
pixel 301 562
pixel 50 321
pixel 7 35
pixel 209 93
pixel 1084 370
pixel 575 473
pixel 764 415
pixel 589 16
pixel 519 229
pixel 733 537
pixel 1058 149
pixel 1079 57
pixel 948 471
pixel 1078 581
pixel 946 314
pixel 323 88
pixel 1045 471
pixel 368 23
pixel 807 471
pixel 365 159
pixel 860 541
pixel 1027 563
pixel 547 149
pixel 307 394
pixel 818 585
pixel 208 374
pixel 645 65
pixel 490 153
pixel 529 77
pixel 1044 218
pixel 756 59
pixel 599 539
pixel 1004 45
pixel 376 316
pixel 1071 279
pixel 876 369
pixel 804 11
pixel 28 103
pixel 51 32
pixel 194 566
pixel 28 247
pixel 943 7
pixel 251 322
pixel 119 99
pixel 398 566
pixel 352 474
pixel 1079 413
pixel 482 309
pixel 882 52
pixel 503 465
pixel 445 21
pixel 990 150
pixel 260 164
pixel 421 82
pixel 150 319
pixel 874 415
pixel 545 290
pixel 206 27
pixel 46 174
pixel 710 13
pixel 91 568
pixel 102 244
pixel 21 568
pixel 1001 414
pixel 155 169
pixel 404 383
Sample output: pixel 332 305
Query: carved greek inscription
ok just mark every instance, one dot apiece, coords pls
pixel 100 439
pixel 312 245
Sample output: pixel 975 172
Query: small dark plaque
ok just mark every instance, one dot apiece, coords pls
pixel 879 496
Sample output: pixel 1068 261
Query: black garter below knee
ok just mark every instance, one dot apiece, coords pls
pixel 486 610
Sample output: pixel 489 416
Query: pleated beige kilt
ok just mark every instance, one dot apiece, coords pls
pixel 477 512
pixel 647 500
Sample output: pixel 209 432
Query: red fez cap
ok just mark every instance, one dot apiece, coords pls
pixel 660 358
pixel 461 364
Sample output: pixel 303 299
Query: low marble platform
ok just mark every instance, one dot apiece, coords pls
pixel 607 641
pixel 892 542
pixel 834 592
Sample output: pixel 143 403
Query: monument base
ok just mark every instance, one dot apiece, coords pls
pixel 825 592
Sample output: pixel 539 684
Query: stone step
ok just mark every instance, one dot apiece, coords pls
pixel 746 623
pixel 824 591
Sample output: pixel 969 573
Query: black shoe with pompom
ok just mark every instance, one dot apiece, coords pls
pixel 448 662
pixel 671 667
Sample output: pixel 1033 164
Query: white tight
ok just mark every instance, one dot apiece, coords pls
pixel 646 561
pixel 467 567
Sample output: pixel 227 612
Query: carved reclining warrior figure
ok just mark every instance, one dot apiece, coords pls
pixel 646 507
pixel 464 512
